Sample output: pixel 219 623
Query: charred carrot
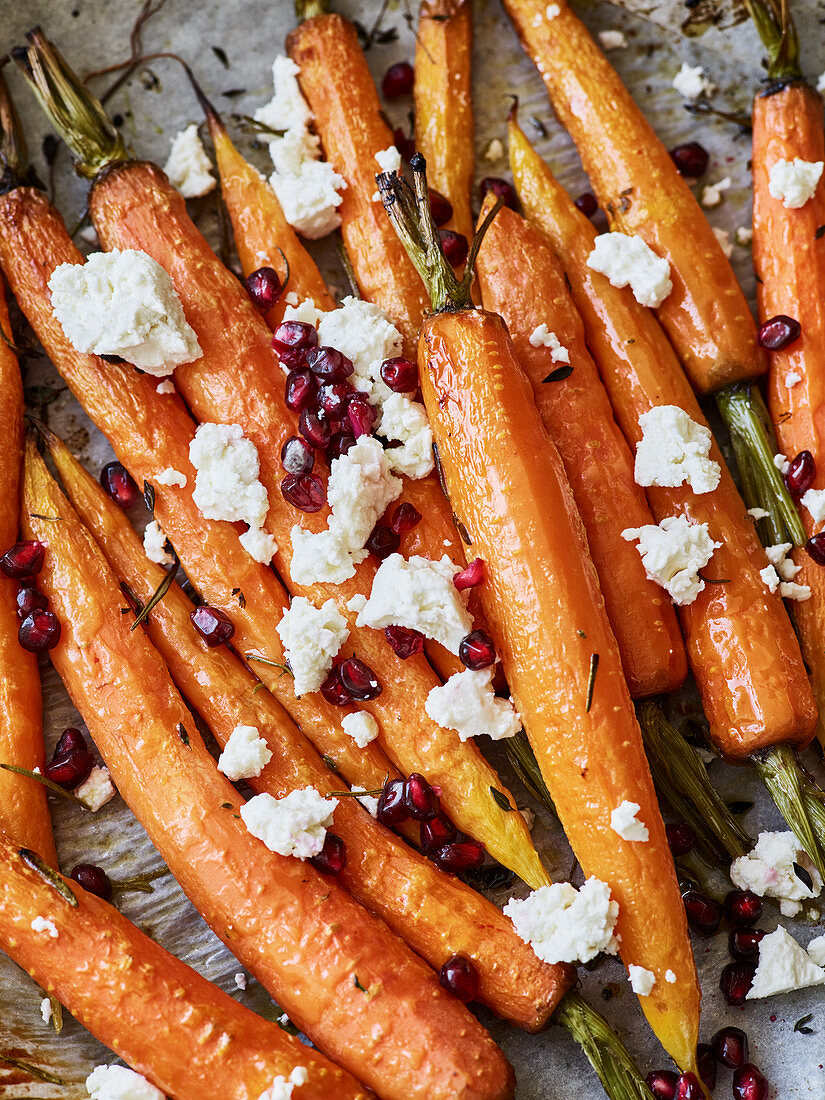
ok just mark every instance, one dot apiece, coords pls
pixel 348 982
pixel 521 279
pixel 507 484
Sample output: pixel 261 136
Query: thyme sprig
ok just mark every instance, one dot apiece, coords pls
pixel 55 788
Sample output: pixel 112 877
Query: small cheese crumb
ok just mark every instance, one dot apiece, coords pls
pixel 782 571
pixel 792 378
pixel 783 966
pixel 723 237
pixel 691 83
pixel 629 261
pixel 790 590
pixel 120 1083
pixel 770 578
pixel 814 501
pixel 623 820
pixel 294 825
pixel 670 977
pixel 389 161
pixel 768 870
pixel 240 980
pixel 494 151
pixel 672 553
pixel 188 167
pixel 612 40
pixel 166 386
pixel 744 235
pixel 41 924
pixel 311 638
pixel 641 980
pixel 673 450
pixel 758 513
pixel 171 476
pixel 46 1009
pixel 820 84
pixel 468 705
pixel 712 192
pixel 259 544
pixel 794 182
pixel 541 337
pixel 154 541
pixel 97 789
pixel 245 754
pixel 281 1087
pixel 287 109
pixel 551 11
pixel 563 924
pixel 780 461
pixel 368 801
pixel 357 603
pixel 361 727
pixel 816 950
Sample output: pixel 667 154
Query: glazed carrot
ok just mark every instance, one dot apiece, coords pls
pixel 188 1037
pixel 521 279
pixel 541 594
pixel 444 103
pixel 437 914
pixel 348 982
pixel 740 642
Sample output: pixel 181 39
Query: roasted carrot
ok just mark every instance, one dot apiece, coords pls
pixel 444 103
pixel 521 279
pixel 170 1024
pixel 507 484
pixel 348 982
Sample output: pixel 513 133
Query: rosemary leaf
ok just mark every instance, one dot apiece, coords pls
pixel 285 669
pixel 501 800
pixel 158 594
pixel 33 1071
pixel 54 787
pixel 591 681
pixel 33 861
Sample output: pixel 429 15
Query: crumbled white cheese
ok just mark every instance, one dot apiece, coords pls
pixel 780 461
pixel 758 513
pixel 744 235
pixel 120 1083
pixel 712 192
pixel 171 476
pixel 612 40
pixel 629 261
pixel 770 578
pixel 670 977
pixel 287 109
pixel 820 84
pixel 794 182
pixel 123 303
pixel 41 924
pixel 245 754
pixel 814 501
pixel 188 167
pixel 420 595
pixel 320 557
pixel 281 1087
pixel 97 789
pixel 673 450
pixel 259 544
pixel 294 825
pixel 541 337
pixel 240 980
pixel 494 151
pixel 154 541
pixel 389 160
pixel 361 727
pixel 357 602
pixel 672 553
pixel 368 801
pixel 781 573
pixel 529 817
pixel 790 590
pixel 166 386
pixel 791 379
pixel 723 237
pixel 641 980
pixel 816 950
pixel 46 1009
pixel 623 820
pixel 768 870
pixel 311 638
pixel 551 11
pixel 691 83
pixel 305 311
pixel 565 925
pixel 783 966
pixel 406 421
pixel 468 705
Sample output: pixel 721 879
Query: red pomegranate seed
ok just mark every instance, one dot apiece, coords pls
pixel 339 444
pixel 455 246
pixel 477 651
pixel 440 207
pixel 742 907
pixel 294 336
pixel 586 202
pixel 730 1045
pixel 213 625
pixel 681 838
pixel 736 980
pixel 815 547
pixel 501 189
pixel 297 457
pixel 93 879
pixel 662 1083
pixel 329 364
pixel 263 287
pixel 801 473
pixel 749 1084
pixel 404 518
pixel 706 1064
pixel 334 691
pixel 71 761
pixel 119 484
pixel 403 641
pixel 359 679
pixel 777 333
pixel 24 559
pixel 360 416
pixel 459 977
pixel 332 858
pixel 398 80
pixel 403 143
pixel 314 427
pixel 704 914
pixel 471 576
pixel 301 389
pixel 464 855
pixel 71 740
pixel 382 542
pixel 305 492
pixel 419 798
pixel 400 374
pixel 743 943
pixel 691 159
pixel 333 397
pixel 39 630
pixel 688 1088
pixel 436 833
pixel 392 808
pixel 28 600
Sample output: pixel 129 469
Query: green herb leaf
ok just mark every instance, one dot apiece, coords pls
pixel 559 374
pixel 33 1071
pixel 54 787
pixel 285 669
pixel 591 681
pixel 184 736
pixel 158 594
pixel 358 985
pixel 149 496
pixel 35 863
pixel 800 1025
pixel 501 800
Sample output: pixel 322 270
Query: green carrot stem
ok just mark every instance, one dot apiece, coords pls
pixel 798 798
pixel 605 1051
pixel 524 764
pixel 775 26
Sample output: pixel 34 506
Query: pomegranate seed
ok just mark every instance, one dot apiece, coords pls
pixel 471 576
pixel 703 913
pixel 454 245
pixel 334 691
pixel 332 858
pixel 459 977
pixel 419 798
pixel 400 374
pixel 71 740
pixel 749 1084
pixel 314 427
pixel 681 838
pixel 93 879
pixel 28 600
pixel 398 80
pixel 293 359
pixel 801 473
pixel 477 650
pixel 662 1083
pixel 119 484
pixel 706 1064
pixel 743 907
pixel 305 492
pixel 263 287
pixel 736 980
pixel 743 943
pixel 213 625
pixel 24 559
pixel 301 389
pixel 460 856
pixel 436 833
pixel 294 336
pixel 404 144
pixel 586 202
pixel 297 457
pixel 382 542
pixel 730 1045
pixel 360 416
pixel 359 679
pixel 691 159
pixel 404 642
pixel 71 761
pixel 440 207
pixel 688 1088
pixel 815 547
pixel 392 807
pixel 339 444
pixel 334 398
pixel 501 189
pixel 777 333
pixel 39 630
pixel 329 364
pixel 404 518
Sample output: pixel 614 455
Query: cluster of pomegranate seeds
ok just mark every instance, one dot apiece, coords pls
pixel 404 518
pixel 398 80
pixel 743 907
pixel 403 143
pixel 459 976
pixel 736 980
pixel 119 484
pixel 332 858
pixel 40 630
pixel 24 559
pixel 501 189
pixel 477 651
pixel 471 576
pixel 801 473
pixel 351 680
pixel 455 246
pixel 264 287
pixel 662 1083
pixel 213 625
pixel 382 542
pixel 306 492
pixel 404 642
pixel 815 547
pixel 93 879
pixel 400 374
pixel 730 1045
pixel 743 943
pixel 297 457
pixel 706 1064
pixel 71 761
pixel 749 1084
pixel 704 914
pixel 778 332
pixel 586 202
pixel 680 838
pixel 440 207
pixel 691 159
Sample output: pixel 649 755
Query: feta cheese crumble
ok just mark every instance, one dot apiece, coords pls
pixel 46 1010
pixel 287 109
pixel 744 235
pixel 188 167
pixel 563 924
pixel 294 825
pixel 623 820
pixel 541 337
pixel 783 966
pixel 165 386
pixel 672 553
pixel 612 40
pixel 814 501
pixel 120 1083
pixel 282 1087
pixel 494 151
pixel 245 754
pixel 794 182
pixel 361 727
pixel 124 303
pixel 781 572
pixel 673 450
pixel 171 476
pixel 551 11
pixel 311 638
pixel 670 977
pixel 723 237
pixel 691 82
pixel 389 161
pixel 712 192
pixel 641 981
pixel 154 542
pixel 780 461
pixel 42 924
pixel 791 379
pixel 629 261
pixel 758 513
pixel 768 870
pixel 97 789
pixel 468 705
pixel 240 980
pixel 816 950
pixel 368 801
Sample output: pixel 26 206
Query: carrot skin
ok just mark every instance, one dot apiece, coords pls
pixel 521 279
pixel 741 646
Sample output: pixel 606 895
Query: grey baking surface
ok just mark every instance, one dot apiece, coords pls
pixel 94 33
